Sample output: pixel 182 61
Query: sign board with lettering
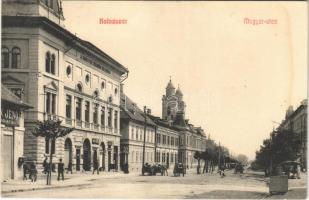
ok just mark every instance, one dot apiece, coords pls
pixel 9 117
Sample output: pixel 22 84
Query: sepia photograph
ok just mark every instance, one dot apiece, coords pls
pixel 154 99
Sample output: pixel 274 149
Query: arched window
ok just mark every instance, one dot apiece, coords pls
pixel 16 57
pixel 52 64
pixel 79 87
pixel 47 62
pixel 5 57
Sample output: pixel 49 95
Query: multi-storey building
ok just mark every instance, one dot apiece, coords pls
pixel 62 77
pixel 12 134
pixel 296 122
pixel 132 128
pixel 191 139
pixel 167 142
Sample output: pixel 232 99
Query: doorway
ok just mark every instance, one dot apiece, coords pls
pixel 87 155
pixel 67 152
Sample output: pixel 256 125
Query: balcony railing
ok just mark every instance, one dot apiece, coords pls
pixel 87 125
pixel 96 126
pixel 68 121
pixel 78 123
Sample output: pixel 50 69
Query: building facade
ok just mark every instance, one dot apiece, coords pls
pixel 63 77
pixel 296 122
pixel 12 134
pixel 132 128
pixel 171 138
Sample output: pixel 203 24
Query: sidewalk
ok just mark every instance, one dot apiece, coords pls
pixel 70 180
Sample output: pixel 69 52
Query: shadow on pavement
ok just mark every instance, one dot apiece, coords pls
pixel 230 194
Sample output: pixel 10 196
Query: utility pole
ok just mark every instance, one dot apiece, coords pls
pixel 219 156
pixel 144 143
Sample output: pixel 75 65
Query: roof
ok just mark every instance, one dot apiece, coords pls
pixel 127 111
pixel 64 34
pixel 9 98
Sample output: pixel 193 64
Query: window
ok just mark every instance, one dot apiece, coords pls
pixel 52 64
pixel 78 109
pixel 69 70
pixel 102 85
pixel 87 79
pixel 137 156
pixel 102 116
pixel 133 156
pixel 136 133
pixel 164 139
pixel 47 146
pixel 47 62
pixel 79 87
pixel 109 117
pixel 95 113
pixel 5 58
pixel 116 91
pixel 168 140
pixel 87 110
pixel 172 141
pixel 163 157
pixel 50 61
pixel 16 57
pixel 68 107
pixel 132 133
pixel 158 138
pixel 172 157
pixel 50 103
pixel 116 119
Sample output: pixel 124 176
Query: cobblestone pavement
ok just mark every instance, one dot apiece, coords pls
pixel 117 185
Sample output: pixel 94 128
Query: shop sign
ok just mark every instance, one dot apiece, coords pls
pixel 9 117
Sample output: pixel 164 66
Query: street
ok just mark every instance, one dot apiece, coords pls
pixel 251 185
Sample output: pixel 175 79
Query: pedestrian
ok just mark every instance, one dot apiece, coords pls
pixel 45 165
pixel 25 170
pixel 70 167
pixel 95 166
pixel 33 172
pixel 298 171
pixel 60 169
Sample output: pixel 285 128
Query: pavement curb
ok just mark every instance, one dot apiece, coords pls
pixel 44 188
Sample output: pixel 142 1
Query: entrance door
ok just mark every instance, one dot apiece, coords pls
pixel 7 155
pixel 87 155
pixel 167 160
pixel 103 156
pixel 109 157
pixel 77 159
pixel 67 152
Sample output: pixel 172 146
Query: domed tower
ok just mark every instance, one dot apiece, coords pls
pixel 181 103
pixel 169 102
pixel 170 89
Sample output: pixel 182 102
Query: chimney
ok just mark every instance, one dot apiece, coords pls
pixel 148 111
pixel 133 108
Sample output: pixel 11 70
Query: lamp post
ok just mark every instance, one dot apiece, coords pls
pixel 144 143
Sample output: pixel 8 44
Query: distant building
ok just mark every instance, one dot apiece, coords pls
pixel 132 136
pixel 12 134
pixel 173 139
pixel 296 122
pixel 63 77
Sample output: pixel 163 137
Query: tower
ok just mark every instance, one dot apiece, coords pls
pixel 172 102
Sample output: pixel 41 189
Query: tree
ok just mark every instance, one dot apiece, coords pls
pixel 198 156
pixel 50 130
pixel 284 145
pixel 243 159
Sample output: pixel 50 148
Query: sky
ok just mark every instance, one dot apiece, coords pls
pixel 236 78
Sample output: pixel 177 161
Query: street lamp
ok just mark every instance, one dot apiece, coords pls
pixel 144 143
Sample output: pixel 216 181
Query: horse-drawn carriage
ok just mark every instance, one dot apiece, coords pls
pixel 152 170
pixel 239 168
pixel 179 169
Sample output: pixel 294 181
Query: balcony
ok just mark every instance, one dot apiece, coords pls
pixel 68 121
pixel 96 127
pixel 87 125
pixel 78 123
